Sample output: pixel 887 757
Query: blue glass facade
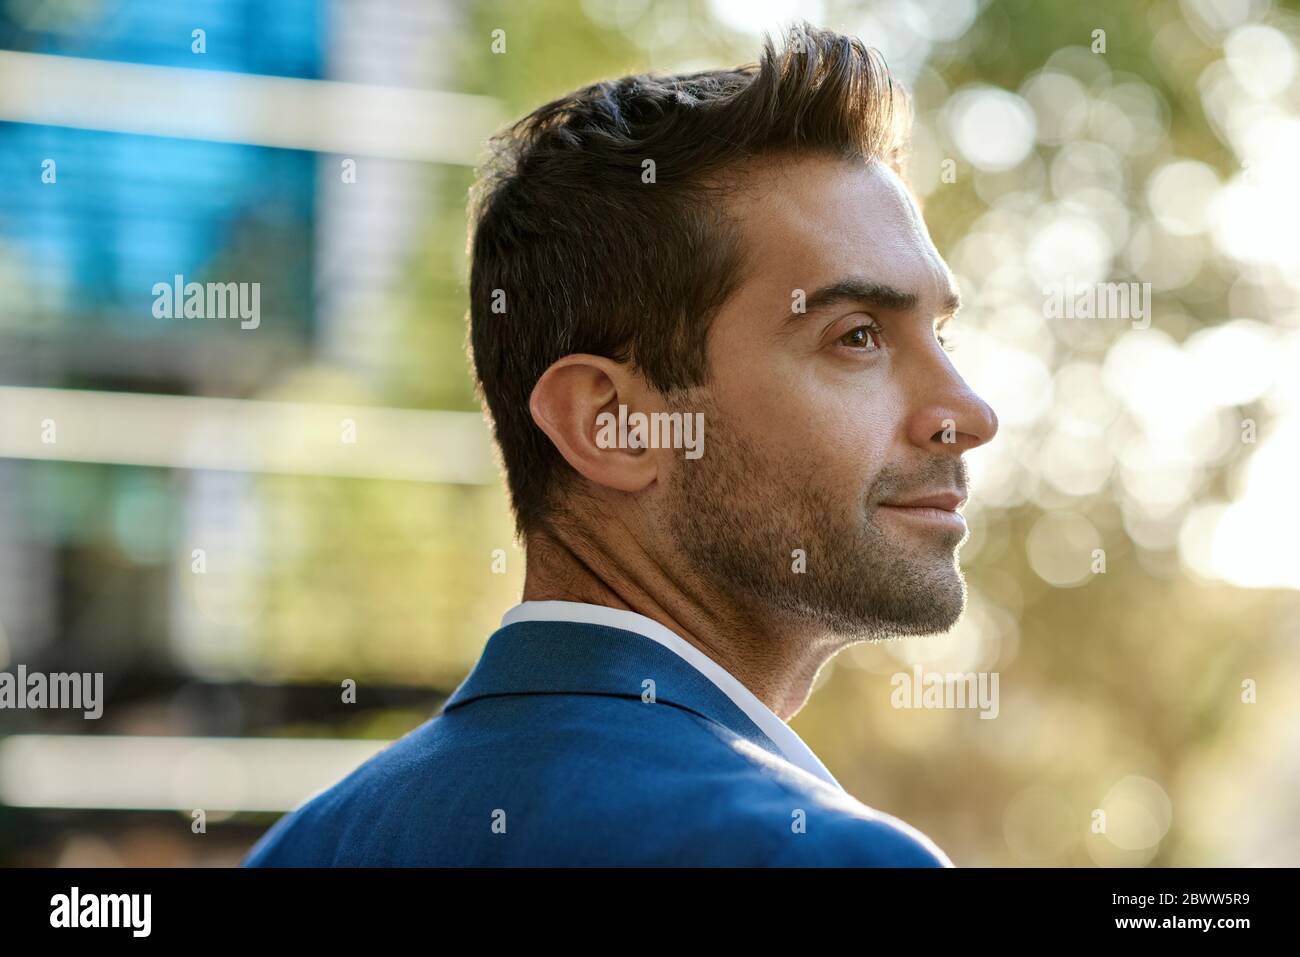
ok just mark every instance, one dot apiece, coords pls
pixel 128 210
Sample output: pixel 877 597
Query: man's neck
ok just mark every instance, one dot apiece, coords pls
pixel 777 664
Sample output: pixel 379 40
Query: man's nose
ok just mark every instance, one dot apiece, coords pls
pixel 949 415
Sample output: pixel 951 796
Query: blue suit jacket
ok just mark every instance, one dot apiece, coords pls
pixel 548 754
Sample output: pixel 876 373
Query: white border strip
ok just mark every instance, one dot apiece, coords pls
pixel 243 435
pixel 328 116
pixel 173 773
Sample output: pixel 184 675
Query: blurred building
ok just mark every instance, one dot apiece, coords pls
pixel 298 147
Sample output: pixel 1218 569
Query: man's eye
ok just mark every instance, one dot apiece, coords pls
pixel 947 345
pixel 866 338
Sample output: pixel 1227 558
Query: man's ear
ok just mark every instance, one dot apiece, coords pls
pixel 567 403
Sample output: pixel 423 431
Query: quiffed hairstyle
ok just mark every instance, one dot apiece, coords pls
pixel 579 252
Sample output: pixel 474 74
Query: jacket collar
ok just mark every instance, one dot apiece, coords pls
pixel 553 657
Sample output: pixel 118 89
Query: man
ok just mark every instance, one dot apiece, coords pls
pixel 731 257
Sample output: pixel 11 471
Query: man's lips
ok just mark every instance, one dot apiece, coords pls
pixel 947 501
pixel 939 509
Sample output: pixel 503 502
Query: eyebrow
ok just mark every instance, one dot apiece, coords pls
pixel 875 294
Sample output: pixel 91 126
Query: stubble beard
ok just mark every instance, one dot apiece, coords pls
pixel 739 520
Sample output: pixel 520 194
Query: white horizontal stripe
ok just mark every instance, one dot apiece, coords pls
pixel 139 772
pixel 351 119
pixel 301 438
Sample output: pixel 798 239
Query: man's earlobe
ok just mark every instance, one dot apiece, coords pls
pixel 577 404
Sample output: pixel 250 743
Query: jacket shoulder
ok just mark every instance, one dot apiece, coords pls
pixel 785 817
pixel 588 781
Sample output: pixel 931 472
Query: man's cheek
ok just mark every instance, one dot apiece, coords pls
pixel 854 435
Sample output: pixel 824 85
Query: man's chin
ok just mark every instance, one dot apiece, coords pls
pixel 927 600
pixel 936 619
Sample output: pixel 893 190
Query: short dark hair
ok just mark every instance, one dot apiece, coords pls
pixel 579 253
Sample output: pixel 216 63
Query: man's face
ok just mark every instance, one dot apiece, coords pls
pixel 821 425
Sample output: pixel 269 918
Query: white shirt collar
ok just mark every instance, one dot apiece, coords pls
pixel 790 744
